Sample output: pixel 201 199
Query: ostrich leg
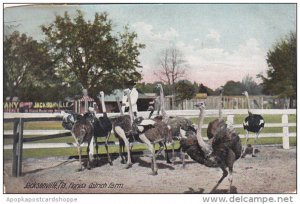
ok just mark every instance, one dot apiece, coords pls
pixel 255 142
pixel 246 142
pixel 121 133
pixel 93 142
pixel 173 152
pixel 166 154
pixel 79 154
pixel 89 157
pixel 182 156
pixel 97 148
pixel 106 147
pixel 121 150
pixel 225 173
pixel 230 161
pixel 145 140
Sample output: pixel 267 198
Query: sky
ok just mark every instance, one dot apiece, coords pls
pixel 220 42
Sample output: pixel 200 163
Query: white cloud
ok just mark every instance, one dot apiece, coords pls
pixel 215 66
pixel 146 31
pixel 210 65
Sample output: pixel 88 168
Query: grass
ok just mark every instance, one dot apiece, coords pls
pixel 29 153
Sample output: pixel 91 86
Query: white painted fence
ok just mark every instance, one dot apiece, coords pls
pixel 229 113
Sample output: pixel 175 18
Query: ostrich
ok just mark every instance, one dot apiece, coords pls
pixel 252 123
pixel 122 127
pixel 83 131
pixel 102 128
pixel 69 119
pixel 220 151
pixel 179 125
pixel 151 132
pixel 212 126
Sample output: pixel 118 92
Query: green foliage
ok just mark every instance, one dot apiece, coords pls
pixel 281 77
pixel 205 89
pixel 152 88
pixel 26 65
pixel 88 53
pixel 249 85
pixel 232 88
pixel 184 90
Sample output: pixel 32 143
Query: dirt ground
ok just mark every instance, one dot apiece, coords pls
pixel 272 171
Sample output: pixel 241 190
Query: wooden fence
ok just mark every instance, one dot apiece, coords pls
pixel 18 132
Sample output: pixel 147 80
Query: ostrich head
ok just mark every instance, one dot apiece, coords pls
pixel 67 117
pixel 158 86
pixel 101 93
pixel 245 93
pixel 200 105
pixel 91 110
pixel 68 120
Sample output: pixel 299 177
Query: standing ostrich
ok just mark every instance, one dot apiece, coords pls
pixel 151 132
pixel 122 127
pixel 253 123
pixel 83 131
pixel 69 118
pixel 220 151
pixel 180 126
pixel 212 126
pixel 102 128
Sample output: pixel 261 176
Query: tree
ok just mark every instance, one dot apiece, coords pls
pixel 232 88
pixel 26 64
pixel 204 89
pixel 184 90
pixel 281 77
pixel 88 53
pixel 249 85
pixel 172 67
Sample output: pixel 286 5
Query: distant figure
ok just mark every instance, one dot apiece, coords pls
pixel 134 95
pixel 154 105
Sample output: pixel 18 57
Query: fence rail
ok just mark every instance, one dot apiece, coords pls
pixel 18 132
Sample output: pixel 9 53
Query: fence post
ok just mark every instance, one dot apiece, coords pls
pixel 20 147
pixel 15 143
pixel 285 130
pixel 230 119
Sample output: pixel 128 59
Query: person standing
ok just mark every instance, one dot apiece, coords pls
pixel 134 95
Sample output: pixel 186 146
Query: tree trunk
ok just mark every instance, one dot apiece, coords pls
pixel 173 97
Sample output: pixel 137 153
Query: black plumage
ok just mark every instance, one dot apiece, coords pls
pixel 152 132
pixel 221 151
pixel 123 131
pixel 102 128
pixel 254 123
pixel 83 131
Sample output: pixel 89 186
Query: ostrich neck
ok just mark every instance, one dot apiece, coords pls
pixel 248 103
pixel 103 104
pixel 130 107
pixel 119 105
pixel 206 148
pixel 162 101
pixel 220 106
